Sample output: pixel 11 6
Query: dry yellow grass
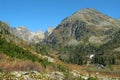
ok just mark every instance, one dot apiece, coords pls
pixel 8 64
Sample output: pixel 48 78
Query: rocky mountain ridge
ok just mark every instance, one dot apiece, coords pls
pixel 31 37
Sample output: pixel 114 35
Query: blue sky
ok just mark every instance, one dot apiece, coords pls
pixel 41 14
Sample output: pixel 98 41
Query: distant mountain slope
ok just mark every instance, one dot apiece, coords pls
pixel 87 25
pixel 31 37
pixel 82 34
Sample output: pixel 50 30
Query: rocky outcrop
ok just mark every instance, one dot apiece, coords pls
pixel 48 31
pixel 57 75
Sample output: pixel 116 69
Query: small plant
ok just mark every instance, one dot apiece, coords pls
pixel 91 78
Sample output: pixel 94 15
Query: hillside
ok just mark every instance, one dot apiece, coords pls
pixel 14 47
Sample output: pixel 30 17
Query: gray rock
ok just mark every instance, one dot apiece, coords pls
pixel 57 75
pixel 75 73
pixel 48 32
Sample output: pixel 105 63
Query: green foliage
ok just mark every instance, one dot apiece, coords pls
pixel 105 54
pixel 15 51
pixel 42 49
pixel 91 78
pixel 78 54
pixel 45 62
pixel 7 76
pixel 61 68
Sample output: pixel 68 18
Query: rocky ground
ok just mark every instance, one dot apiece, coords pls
pixel 34 75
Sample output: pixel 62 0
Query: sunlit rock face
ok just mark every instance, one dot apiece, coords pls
pixel 87 25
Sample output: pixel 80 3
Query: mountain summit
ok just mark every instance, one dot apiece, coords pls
pixel 90 16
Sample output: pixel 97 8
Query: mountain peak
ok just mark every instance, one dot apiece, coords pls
pixel 90 16
pixel 22 28
pixel 38 31
pixel 84 13
pixel 86 10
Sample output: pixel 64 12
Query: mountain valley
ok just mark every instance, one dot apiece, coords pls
pixel 84 46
